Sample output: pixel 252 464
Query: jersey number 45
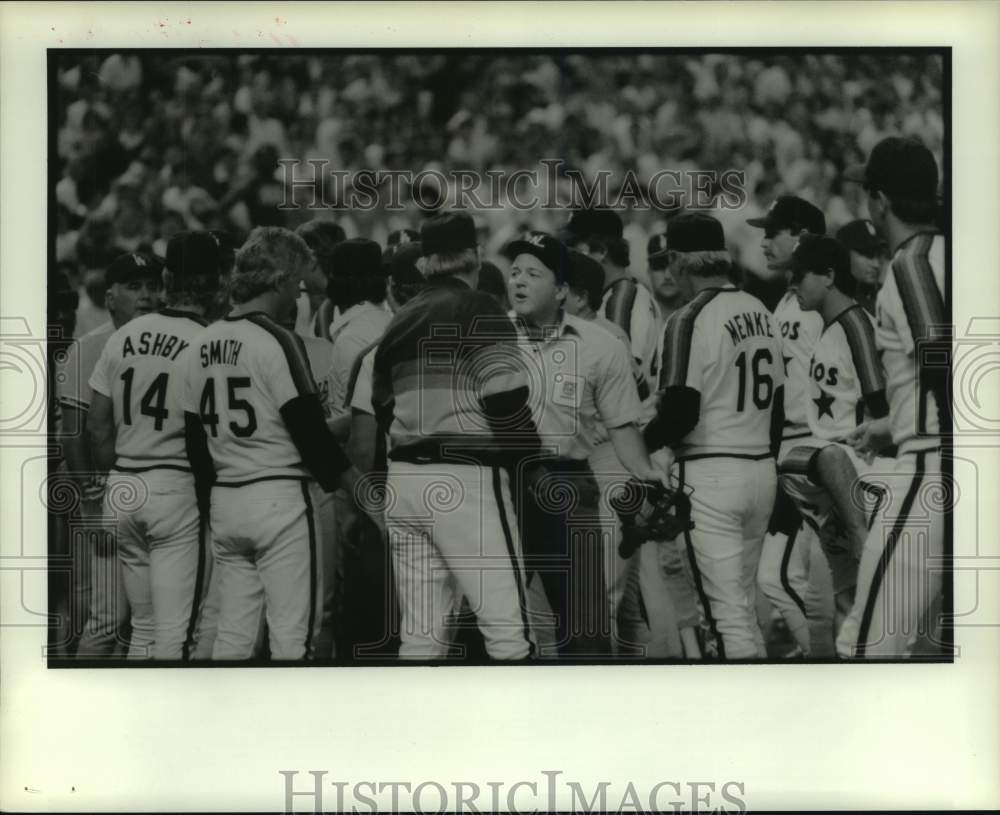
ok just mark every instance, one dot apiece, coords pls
pixel 209 416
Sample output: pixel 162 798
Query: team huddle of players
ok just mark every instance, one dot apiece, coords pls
pixel 328 448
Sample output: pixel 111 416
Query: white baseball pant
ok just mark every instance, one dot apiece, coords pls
pixel 731 501
pixel 266 543
pixel 165 565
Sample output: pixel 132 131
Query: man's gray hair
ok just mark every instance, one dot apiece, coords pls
pixel 269 257
pixel 716 263
pixel 464 261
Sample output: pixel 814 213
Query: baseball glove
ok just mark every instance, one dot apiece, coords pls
pixel 650 512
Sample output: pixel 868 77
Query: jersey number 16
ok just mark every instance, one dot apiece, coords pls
pixel 762 388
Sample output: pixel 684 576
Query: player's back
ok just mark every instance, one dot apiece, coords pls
pixel 241 371
pixel 799 332
pixel 141 370
pixel 724 344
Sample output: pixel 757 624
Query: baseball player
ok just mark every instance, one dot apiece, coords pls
pixel 867 260
pixel 626 302
pixel 582 387
pixel 897 581
pixel 449 389
pixel 847 386
pixel 134 286
pixel 368 582
pixel 137 428
pixel 321 236
pixel 258 442
pixel 722 387
pixel 788 542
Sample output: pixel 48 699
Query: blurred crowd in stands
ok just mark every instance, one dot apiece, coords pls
pixel 150 144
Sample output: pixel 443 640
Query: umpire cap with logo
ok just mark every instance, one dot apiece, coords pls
pixel 695 232
pixel 132 266
pixel 194 254
pixel 447 233
pixel 794 213
pixel 549 250
pixel 357 257
pixel 901 167
pixel 860 236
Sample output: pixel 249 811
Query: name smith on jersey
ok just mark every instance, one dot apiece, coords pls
pixel 221 352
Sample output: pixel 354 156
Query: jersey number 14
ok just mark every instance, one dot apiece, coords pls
pixel 762 387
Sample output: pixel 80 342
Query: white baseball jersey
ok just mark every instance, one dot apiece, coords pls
pixel 142 371
pixel 799 332
pixel 724 344
pixel 844 369
pixel 628 304
pixel 240 372
pixel 911 309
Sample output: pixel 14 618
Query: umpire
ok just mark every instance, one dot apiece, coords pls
pixel 449 390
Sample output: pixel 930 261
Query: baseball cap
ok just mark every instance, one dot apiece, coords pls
pixel 401 265
pixel 901 167
pixel 818 253
pixel 656 250
pixel 598 222
pixel 549 250
pixel 860 236
pixel 583 272
pixel 401 237
pixel 448 232
pixel 356 257
pixel 131 266
pixel 792 212
pixel 695 232
pixel 194 254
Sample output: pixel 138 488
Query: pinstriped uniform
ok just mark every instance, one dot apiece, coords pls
pixel 265 530
pixel 629 305
pixel 898 579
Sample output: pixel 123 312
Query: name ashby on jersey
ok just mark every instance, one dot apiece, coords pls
pixel 742 326
pixel 164 345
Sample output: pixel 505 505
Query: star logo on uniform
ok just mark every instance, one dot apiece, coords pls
pixel 825 404
pixel 785 360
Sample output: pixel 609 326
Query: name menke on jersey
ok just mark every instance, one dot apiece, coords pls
pixel 165 345
pixel 742 326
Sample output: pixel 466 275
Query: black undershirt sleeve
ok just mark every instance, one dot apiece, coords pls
pixel 202 467
pixel 680 408
pixel 322 456
pixel 777 419
pixel 877 404
pixel 509 417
